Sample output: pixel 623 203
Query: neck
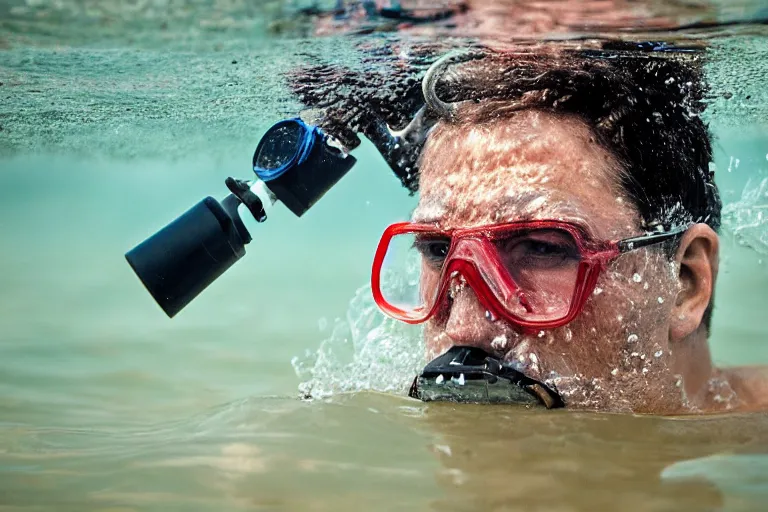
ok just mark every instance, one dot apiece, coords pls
pixel 706 388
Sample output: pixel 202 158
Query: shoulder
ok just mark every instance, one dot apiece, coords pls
pixel 750 383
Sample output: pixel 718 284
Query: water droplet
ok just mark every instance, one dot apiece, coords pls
pixel 598 291
pixel 615 372
pixel 661 300
pixel 541 334
pixel 658 353
pixel 632 338
pixel 637 278
pixel 490 316
pixel 646 286
pixel 645 370
pixel 499 342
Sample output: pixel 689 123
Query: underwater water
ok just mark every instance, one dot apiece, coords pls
pixel 117 117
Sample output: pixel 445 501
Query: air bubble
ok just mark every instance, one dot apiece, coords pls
pixel 658 353
pixel 439 379
pixel 733 164
pixel 661 300
pixel 490 316
pixel 637 278
pixel 598 291
pixel 632 338
pixel 541 334
pixel 615 372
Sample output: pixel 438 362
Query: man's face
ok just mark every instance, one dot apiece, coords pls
pixel 615 355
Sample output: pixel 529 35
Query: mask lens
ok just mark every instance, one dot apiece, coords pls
pixel 411 269
pixel 279 146
pixel 544 264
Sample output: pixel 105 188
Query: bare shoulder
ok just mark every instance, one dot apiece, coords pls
pixel 750 382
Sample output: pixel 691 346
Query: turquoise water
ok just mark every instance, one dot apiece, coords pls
pixel 106 404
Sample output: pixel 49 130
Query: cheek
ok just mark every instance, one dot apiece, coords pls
pixel 634 298
pixel 436 340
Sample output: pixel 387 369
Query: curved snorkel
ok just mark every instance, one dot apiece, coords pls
pixel 295 163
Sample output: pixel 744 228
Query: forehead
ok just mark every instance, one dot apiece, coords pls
pixel 533 165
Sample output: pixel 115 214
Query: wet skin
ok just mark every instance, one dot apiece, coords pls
pixel 639 344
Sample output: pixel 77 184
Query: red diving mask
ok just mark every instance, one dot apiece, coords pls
pixel 533 274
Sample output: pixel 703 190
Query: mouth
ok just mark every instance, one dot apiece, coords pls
pixel 472 375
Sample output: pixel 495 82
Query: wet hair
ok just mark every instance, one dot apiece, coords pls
pixel 643 107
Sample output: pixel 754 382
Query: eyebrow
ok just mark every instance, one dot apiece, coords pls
pixel 506 203
pixel 424 220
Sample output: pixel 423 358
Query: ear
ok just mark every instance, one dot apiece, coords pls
pixel 697 258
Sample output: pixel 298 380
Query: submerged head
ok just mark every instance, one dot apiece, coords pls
pixel 615 150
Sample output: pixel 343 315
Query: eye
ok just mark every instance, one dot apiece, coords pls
pixel 538 248
pixel 434 250
pixel 541 250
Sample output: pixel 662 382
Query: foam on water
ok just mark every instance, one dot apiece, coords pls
pixel 365 351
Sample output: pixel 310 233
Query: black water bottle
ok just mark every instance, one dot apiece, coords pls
pixel 178 262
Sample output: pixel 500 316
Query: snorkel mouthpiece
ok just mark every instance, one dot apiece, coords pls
pixel 471 375
pixel 294 162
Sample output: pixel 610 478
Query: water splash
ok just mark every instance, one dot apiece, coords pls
pixel 747 218
pixel 366 352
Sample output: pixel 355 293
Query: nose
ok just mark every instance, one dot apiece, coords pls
pixel 467 322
